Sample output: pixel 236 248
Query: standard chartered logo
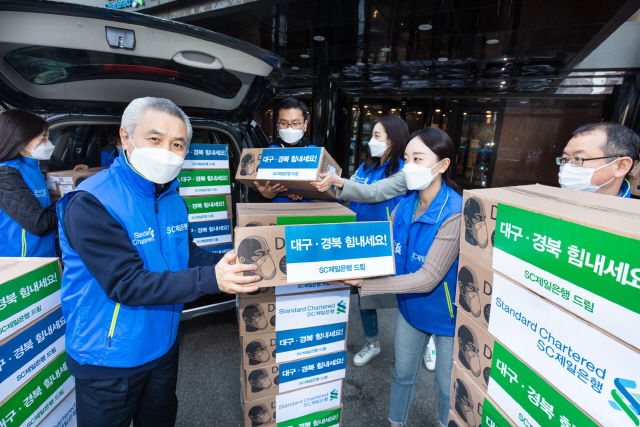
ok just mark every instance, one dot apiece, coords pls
pixel 177 228
pixel 625 400
pixel 342 307
pixel 143 237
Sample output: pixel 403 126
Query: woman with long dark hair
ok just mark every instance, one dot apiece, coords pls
pixel 27 218
pixel 389 137
pixel 426 230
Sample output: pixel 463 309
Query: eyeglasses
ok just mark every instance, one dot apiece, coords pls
pixel 579 161
pixel 294 125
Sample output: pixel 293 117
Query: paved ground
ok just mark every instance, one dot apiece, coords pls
pixel 209 387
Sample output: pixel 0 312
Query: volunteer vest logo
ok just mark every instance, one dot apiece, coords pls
pixel 475 223
pixel 254 318
pixel 342 307
pixel 464 403
pixel 259 380
pixel 624 400
pixel 248 164
pixel 255 250
pixel 469 292
pixel 259 415
pixel 143 237
pixel 334 394
pixel 468 350
pixel 257 352
pixel 398 248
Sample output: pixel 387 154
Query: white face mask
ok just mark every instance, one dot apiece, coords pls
pixel 377 148
pixel 43 151
pixel 156 164
pixel 579 178
pixel 290 135
pixel 418 177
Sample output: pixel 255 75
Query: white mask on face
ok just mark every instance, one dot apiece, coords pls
pixel 377 148
pixel 579 178
pixel 418 177
pixel 156 164
pixel 43 151
pixel 290 135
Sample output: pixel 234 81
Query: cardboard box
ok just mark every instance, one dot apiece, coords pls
pixel 208 233
pixel 454 420
pixel 258 316
pixel 222 248
pixel 28 351
pixel 280 378
pixel 574 248
pixel 290 406
pixel 473 296
pixel 61 182
pixel 581 361
pixel 284 346
pixel 328 418
pixel 63 415
pixel 294 168
pixel 466 398
pixel 271 293
pixel 473 350
pixel 29 289
pixel 262 214
pixel 207 156
pixel 38 397
pixel 526 397
pixel 295 254
pixel 204 182
pixel 208 208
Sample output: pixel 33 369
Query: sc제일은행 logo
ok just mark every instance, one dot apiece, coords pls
pixel 334 394
pixel 624 400
pixel 342 307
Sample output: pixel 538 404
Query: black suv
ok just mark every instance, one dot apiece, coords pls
pixel 79 67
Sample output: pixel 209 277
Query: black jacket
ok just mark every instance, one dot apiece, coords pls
pixel 21 205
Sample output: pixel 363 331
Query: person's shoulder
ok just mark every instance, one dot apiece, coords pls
pixel 455 200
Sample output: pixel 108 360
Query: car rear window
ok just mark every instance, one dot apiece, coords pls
pixel 46 65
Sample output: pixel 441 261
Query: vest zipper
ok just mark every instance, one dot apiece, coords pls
pixel 446 291
pixel 24 243
pixel 156 205
pixel 114 318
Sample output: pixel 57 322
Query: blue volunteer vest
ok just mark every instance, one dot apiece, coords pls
pixel 16 241
pixel 99 331
pixel 431 312
pixel 284 199
pixel 625 189
pixel 374 211
pixel 107 157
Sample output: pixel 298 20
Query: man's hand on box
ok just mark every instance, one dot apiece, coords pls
pixel 328 180
pixel 352 282
pixel 294 197
pixel 230 276
pixel 269 191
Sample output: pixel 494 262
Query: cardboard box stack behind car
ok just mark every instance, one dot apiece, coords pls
pixel 294 168
pixel 205 185
pixel 548 303
pixel 34 380
pixel 293 337
pixel 61 182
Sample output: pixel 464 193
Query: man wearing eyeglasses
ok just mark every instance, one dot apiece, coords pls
pixel 292 124
pixel 598 158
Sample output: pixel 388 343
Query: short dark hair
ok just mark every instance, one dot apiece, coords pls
pixel 621 141
pixel 17 129
pixel 289 103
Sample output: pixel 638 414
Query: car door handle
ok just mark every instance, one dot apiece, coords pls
pixel 198 60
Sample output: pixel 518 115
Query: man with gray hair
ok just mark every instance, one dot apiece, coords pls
pixel 130 265
pixel 598 158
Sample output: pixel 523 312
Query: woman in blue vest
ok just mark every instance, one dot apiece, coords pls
pixel 426 230
pixel 390 135
pixel 27 218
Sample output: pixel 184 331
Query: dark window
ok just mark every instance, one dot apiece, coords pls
pixel 46 65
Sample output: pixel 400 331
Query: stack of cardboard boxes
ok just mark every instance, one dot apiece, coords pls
pixel 548 307
pixel 35 385
pixel 62 182
pixel 205 184
pixel 293 330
